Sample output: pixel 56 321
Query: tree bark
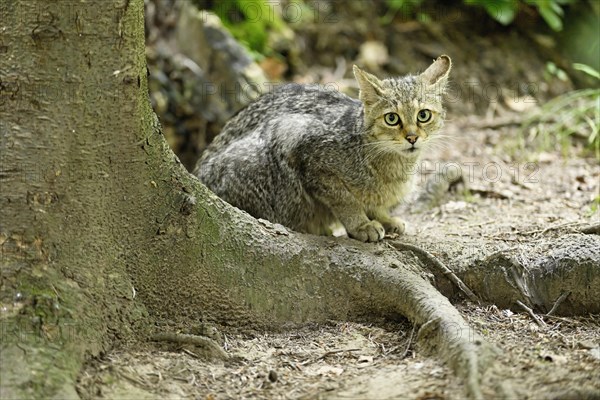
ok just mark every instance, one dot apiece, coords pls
pixel 72 108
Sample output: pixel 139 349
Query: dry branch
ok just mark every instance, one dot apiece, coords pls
pixel 557 303
pixel 531 313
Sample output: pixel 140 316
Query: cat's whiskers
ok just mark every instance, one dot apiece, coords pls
pixel 439 136
pixel 436 146
pixel 382 148
pixel 439 141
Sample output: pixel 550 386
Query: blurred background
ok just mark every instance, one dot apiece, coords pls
pixel 529 65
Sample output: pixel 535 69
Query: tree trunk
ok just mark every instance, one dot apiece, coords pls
pixel 73 109
pixel 104 234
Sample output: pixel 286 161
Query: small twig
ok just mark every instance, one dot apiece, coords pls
pixel 434 262
pixel 408 343
pixel 549 228
pixel 494 123
pixel 558 302
pixel 326 354
pixel 480 223
pixel 191 353
pixel 499 252
pixel 563 319
pixel 537 319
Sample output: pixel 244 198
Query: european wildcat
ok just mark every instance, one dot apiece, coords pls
pixel 305 157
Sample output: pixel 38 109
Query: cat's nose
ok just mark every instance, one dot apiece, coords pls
pixel 412 139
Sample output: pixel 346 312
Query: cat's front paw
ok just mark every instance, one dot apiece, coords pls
pixel 371 231
pixel 394 226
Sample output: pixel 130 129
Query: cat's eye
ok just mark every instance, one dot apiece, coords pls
pixel 391 119
pixel 424 116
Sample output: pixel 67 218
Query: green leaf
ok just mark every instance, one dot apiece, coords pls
pixel 547 12
pixel 556 8
pixel 502 11
pixel 587 69
pixel 406 4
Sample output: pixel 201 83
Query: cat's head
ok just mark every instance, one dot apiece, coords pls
pixel 403 114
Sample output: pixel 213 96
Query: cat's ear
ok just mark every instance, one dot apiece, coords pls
pixel 437 73
pixel 370 86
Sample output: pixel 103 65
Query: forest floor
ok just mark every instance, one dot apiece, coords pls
pixel 359 361
pixel 514 191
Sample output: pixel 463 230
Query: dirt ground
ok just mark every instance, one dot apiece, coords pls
pixel 359 361
pixel 515 191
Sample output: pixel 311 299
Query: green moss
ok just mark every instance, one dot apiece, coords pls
pixel 45 329
pixel 250 22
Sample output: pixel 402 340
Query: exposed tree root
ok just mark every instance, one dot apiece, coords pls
pixel 591 229
pixel 308 278
pixel 434 263
pixel 536 272
pixel 444 331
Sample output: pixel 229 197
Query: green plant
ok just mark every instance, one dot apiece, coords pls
pixel 406 4
pixel 408 7
pixel 504 11
pixel 249 21
pixel 468 196
pixel 587 69
pixel 574 114
pixel 554 71
pixel 594 206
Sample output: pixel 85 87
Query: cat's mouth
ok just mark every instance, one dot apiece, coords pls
pixel 411 149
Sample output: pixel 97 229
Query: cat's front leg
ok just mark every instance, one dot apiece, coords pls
pixel 357 224
pixel 369 231
pixel 348 210
pixel 391 224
